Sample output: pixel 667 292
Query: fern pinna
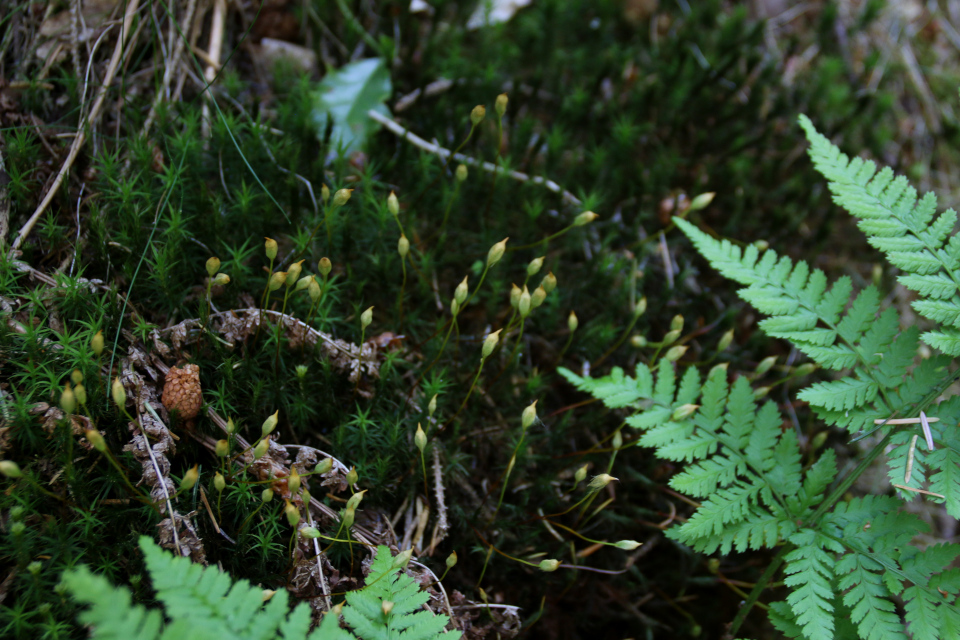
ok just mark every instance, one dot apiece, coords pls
pixel 849 563
pixel 202 603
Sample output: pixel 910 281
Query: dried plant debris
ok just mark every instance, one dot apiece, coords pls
pixel 151 443
pixel 238 325
pixel 478 620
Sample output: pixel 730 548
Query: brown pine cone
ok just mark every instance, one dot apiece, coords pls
pixel 181 391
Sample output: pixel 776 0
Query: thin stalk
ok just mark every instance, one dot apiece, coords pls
pixel 547 239
pixel 593 495
pixel 403 286
pixel 314 233
pixel 506 478
pixel 446 164
pixel 356 385
pixel 264 300
pixel 276 361
pixel 470 392
pixel 620 341
pixel 450 324
pixel 496 166
pixel 565 347
pixel 423 464
pixel 516 346
pixel 446 214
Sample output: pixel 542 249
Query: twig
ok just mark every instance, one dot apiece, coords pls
pixel 926 493
pixel 444 153
pixel 82 134
pixel 318 553
pixel 213 58
pixel 904 420
pixel 667 263
pixel 75 35
pixel 161 480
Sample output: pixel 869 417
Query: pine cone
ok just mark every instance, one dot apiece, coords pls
pixel 181 391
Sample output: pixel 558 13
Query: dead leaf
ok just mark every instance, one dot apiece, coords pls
pixel 490 12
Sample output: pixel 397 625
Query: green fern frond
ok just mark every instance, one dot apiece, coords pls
pixel 202 603
pixel 906 229
pixel 811 316
pixel 111 612
pixel 869 599
pixel 386 583
pixel 744 466
pixel 617 390
pixel 846 569
pixel 810 570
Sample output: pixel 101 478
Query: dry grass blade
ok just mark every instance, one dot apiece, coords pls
pixel 82 131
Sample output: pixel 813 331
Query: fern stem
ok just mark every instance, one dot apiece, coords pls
pixel 759 588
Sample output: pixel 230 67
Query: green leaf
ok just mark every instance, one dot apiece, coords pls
pixel 809 570
pixel 345 96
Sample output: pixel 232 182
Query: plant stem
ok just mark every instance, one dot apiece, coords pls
pixel 264 300
pixel 539 242
pixel 445 164
pixel 470 392
pixel 616 345
pixel 446 214
pixel 276 361
pixel 403 286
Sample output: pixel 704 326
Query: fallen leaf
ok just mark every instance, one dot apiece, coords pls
pixel 490 12
pixel 345 95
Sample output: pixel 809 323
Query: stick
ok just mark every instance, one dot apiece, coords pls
pixel 926 493
pixel 82 134
pixel 417 141
pixel 904 421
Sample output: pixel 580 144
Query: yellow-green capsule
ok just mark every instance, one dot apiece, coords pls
pixel 324 266
pixel 80 392
pixel 270 248
pixel 341 197
pixel 190 478
pixel 501 104
pixel 96 343
pixel 95 438
pixel 490 343
pixel 119 393
pixel 496 252
pixel 68 401
pixel 420 438
pixel 477 115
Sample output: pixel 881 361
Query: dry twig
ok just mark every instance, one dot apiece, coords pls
pixel 489 167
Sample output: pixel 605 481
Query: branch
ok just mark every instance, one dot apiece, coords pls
pixel 489 167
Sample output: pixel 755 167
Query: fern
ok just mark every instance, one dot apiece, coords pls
pixel 850 567
pixel 202 603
